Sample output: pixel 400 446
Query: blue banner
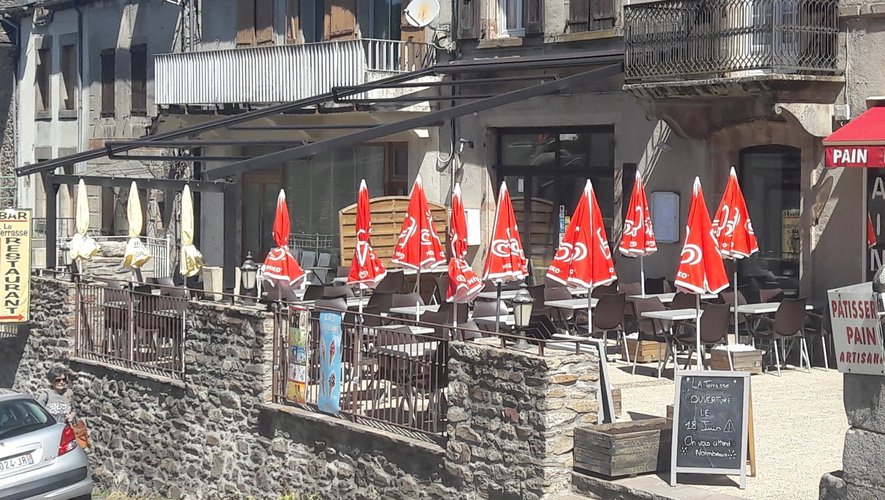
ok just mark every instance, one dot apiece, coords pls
pixel 330 363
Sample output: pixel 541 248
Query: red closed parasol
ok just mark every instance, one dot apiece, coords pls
pixel 464 284
pixel 280 265
pixel 366 269
pixel 418 246
pixel 584 258
pixel 701 269
pixel 506 260
pixel 638 239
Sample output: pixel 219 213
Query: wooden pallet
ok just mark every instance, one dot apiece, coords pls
pixel 744 361
pixel 624 448
pixel 649 351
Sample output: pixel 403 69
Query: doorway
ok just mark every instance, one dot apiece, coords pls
pixel 260 191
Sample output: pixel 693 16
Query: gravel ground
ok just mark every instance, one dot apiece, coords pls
pixel 799 420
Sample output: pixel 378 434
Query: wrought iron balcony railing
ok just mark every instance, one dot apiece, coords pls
pixel 689 39
pixel 281 73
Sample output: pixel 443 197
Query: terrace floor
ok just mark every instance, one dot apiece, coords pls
pixel 800 427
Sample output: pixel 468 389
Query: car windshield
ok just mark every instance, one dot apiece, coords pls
pixel 19 416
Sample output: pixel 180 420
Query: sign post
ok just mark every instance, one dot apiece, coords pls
pixel 711 423
pixel 15 266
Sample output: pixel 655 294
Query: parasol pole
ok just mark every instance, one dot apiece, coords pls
pixel 736 334
pixel 418 291
pixel 497 306
pixel 698 364
pixel 642 274
pixel 590 310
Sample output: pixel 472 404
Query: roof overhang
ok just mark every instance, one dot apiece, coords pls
pixel 860 143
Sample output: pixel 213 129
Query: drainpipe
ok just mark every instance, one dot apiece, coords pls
pixel 80 78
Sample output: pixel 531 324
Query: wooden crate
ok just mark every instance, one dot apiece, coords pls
pixel 744 361
pixel 649 351
pixel 624 448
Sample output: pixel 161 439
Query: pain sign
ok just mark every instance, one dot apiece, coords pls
pixel 15 265
pixel 857 330
pixel 854 156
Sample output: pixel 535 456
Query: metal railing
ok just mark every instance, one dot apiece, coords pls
pixel 132 328
pixel 710 38
pixel 281 73
pixel 317 241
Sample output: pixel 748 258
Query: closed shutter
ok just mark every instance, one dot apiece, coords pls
pixel 468 19
pixel 533 16
pixel 108 80
pixel 264 21
pixel 340 19
pixel 578 15
pixel 293 27
pixel 602 14
pixel 245 22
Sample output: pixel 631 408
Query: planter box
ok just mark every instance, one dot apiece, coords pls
pixel 744 361
pixel 624 448
pixel 649 351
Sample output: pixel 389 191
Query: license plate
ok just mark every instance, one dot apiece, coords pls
pixel 16 462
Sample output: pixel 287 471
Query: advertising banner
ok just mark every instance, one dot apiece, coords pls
pixel 296 370
pixel 330 363
pixel 15 265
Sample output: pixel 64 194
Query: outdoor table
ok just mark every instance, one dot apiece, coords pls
pixel 492 295
pixel 507 320
pixel 673 314
pixel 410 310
pixel 414 330
pixel 573 304
pixel 339 280
pixel 762 308
pixel 666 298
pixel 411 350
pixel 351 301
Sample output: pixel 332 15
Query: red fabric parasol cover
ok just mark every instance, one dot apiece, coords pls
pixel 506 260
pixel 280 264
pixel 418 246
pixel 732 226
pixel 464 284
pixel 584 257
pixel 871 232
pixel 638 239
pixel 366 268
pixel 701 269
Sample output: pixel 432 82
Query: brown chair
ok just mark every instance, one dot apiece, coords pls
pixel 649 329
pixel 655 285
pixel 819 325
pixel 537 293
pixel 393 282
pixel 599 291
pixel 486 309
pixel 788 324
pixel 442 288
pixel 771 295
pixel 683 300
pixel 608 316
pixel 313 292
pixel 334 291
pixel 563 317
pixel 714 331
pixel 728 298
pixel 406 300
pixel 628 289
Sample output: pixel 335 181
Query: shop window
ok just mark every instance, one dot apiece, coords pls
pixel 255 22
pixel 591 15
pixel 138 68
pixel 41 81
pixel 108 82
pixel 69 84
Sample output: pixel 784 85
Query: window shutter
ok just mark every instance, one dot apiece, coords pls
pixel 533 16
pixel 264 21
pixel 468 19
pixel 602 14
pixel 245 22
pixel 108 80
pixel 579 15
pixel 293 26
pixel 340 19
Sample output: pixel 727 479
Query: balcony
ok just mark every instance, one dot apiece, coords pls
pixel 280 73
pixel 685 40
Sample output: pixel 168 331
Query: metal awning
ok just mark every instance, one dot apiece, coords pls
pixel 601 64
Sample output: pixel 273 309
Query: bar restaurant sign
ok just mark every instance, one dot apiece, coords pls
pixel 15 265
pixel 857 329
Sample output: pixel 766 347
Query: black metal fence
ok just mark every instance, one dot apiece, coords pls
pixel 139 330
pixel 710 38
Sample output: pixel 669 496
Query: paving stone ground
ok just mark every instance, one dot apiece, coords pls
pixel 799 419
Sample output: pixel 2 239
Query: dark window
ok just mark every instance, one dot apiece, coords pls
pixel 108 81
pixel 43 70
pixel 255 22
pixel 396 178
pixel 138 62
pixel 591 15
pixel 545 170
pixel 69 77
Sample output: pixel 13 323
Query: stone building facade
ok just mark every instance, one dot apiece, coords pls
pixel 217 433
pixel 7 111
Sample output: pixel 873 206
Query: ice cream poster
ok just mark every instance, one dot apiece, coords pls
pixel 296 373
pixel 330 363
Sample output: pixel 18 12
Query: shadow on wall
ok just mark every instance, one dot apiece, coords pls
pixel 12 347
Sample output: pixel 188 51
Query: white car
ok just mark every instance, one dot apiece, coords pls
pixel 39 458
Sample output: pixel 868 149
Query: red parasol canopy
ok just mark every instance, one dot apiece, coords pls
pixel 732 226
pixel 584 257
pixel 506 260
pixel 418 246
pixel 464 284
pixel 871 232
pixel 701 269
pixel 366 268
pixel 638 239
pixel 280 265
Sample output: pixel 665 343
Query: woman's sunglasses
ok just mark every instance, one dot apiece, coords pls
pixel 60 380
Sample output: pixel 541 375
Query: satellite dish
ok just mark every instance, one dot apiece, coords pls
pixel 420 13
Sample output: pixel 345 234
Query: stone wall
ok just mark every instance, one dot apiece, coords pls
pixel 863 456
pixel 512 416
pixel 7 121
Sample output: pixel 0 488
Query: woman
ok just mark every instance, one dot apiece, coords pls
pixel 59 399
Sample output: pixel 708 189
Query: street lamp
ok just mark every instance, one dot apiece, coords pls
pixel 248 275
pixel 522 311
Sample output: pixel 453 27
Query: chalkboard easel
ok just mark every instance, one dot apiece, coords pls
pixel 711 424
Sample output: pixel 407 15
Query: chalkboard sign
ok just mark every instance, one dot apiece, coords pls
pixel 710 423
